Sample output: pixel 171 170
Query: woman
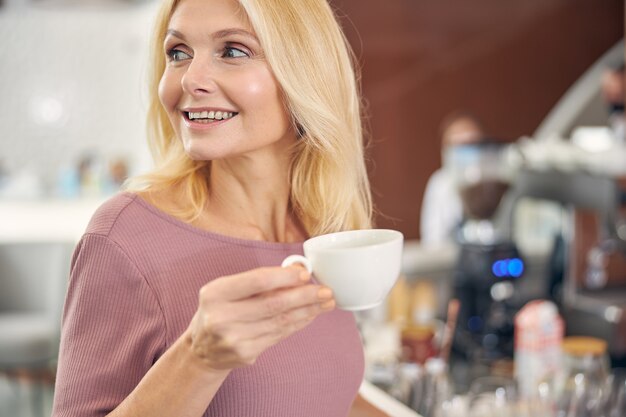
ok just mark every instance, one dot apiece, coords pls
pixel 177 305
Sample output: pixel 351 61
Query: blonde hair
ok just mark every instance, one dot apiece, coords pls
pixel 314 66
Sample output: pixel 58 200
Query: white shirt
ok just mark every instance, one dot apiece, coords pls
pixel 442 209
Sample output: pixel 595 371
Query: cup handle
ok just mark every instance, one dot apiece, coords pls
pixel 297 259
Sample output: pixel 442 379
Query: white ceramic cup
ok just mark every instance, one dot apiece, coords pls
pixel 360 266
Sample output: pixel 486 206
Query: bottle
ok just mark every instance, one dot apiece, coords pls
pixel 418 343
pixel 538 337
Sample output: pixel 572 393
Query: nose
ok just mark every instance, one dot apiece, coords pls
pixel 199 78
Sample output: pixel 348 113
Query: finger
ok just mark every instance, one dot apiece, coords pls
pixel 257 337
pixel 279 329
pixel 255 281
pixel 269 304
pixel 238 343
pixel 281 301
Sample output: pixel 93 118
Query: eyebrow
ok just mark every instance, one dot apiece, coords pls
pixel 176 33
pixel 228 32
pixel 220 34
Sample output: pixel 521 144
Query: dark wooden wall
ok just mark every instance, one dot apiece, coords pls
pixel 508 62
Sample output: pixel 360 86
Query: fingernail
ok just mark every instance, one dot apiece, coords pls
pixel 328 305
pixel 324 293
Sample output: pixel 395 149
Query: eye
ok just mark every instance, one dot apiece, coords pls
pixel 177 55
pixel 232 52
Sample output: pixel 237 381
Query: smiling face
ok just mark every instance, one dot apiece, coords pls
pixel 217 89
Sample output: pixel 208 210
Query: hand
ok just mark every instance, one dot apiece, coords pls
pixel 240 316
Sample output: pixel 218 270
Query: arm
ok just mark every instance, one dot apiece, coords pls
pixel 114 330
pixel 238 318
pixel 177 385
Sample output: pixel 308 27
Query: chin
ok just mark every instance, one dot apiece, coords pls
pixel 195 152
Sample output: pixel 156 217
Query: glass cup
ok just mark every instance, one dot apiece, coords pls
pixel 493 396
pixel 615 403
pixel 580 387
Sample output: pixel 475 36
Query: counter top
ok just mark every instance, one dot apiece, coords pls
pixel 425 260
pixel 384 402
pixel 54 220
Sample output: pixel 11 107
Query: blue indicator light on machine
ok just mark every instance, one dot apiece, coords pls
pixel 508 268
pixel 499 268
pixel 515 267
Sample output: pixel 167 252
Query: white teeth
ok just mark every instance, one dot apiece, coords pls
pixel 215 115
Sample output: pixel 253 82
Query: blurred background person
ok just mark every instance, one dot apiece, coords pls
pixel 442 209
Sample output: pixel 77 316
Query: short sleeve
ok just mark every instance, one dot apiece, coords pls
pixel 113 330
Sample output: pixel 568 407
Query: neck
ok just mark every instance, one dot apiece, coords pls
pixel 250 199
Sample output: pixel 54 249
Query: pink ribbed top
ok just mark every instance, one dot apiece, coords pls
pixel 133 290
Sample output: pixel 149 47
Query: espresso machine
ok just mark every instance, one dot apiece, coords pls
pixel 593 296
pixel 489 263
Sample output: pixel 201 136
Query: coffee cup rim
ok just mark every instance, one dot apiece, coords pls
pixel 395 235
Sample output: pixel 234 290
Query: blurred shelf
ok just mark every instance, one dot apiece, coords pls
pixel 428 261
pixel 53 220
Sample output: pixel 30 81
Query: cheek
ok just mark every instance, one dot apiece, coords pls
pixel 256 95
pixel 168 93
pixel 264 97
pixel 260 89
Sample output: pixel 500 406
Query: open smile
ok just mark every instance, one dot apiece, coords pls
pixel 208 116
